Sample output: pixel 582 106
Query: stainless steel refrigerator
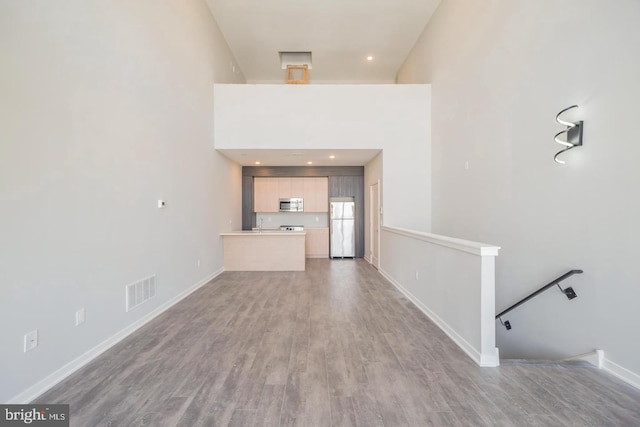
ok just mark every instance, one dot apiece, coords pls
pixel 343 229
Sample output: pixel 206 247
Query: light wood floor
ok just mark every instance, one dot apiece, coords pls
pixel 335 345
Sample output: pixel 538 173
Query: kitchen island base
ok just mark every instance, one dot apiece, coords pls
pixel 271 251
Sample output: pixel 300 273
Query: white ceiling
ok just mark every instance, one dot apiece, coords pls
pixel 339 33
pixel 300 157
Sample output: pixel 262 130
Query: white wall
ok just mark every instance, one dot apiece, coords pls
pixel 372 175
pixel 106 107
pixel 499 72
pixel 393 118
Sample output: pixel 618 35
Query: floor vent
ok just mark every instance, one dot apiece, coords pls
pixel 140 292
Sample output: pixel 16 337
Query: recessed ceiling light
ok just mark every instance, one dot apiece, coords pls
pixel 332 156
pixel 369 58
pixel 309 163
pixel 257 163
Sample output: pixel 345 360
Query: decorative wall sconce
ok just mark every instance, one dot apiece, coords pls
pixel 573 132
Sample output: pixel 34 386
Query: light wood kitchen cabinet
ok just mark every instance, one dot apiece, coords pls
pixel 265 195
pixel 316 194
pixel 297 187
pixel 290 187
pixel 268 191
pixel 317 242
pixel 284 188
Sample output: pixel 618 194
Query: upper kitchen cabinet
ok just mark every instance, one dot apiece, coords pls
pixel 316 194
pixel 265 195
pixel 297 187
pixel 284 188
pixel 290 187
pixel 268 191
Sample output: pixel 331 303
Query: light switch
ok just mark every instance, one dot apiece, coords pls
pixel 80 316
pixel 31 340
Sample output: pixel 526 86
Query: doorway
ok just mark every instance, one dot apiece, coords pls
pixel 374 232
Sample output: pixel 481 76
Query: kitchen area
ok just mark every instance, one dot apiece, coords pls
pixel 292 213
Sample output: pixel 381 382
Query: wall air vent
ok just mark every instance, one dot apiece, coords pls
pixel 140 292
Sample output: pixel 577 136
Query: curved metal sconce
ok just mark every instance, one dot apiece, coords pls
pixel 573 132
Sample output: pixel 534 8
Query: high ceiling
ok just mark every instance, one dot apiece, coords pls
pixel 339 33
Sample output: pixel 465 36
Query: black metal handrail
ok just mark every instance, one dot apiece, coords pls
pixel 569 292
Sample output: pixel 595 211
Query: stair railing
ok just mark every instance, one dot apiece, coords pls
pixel 569 292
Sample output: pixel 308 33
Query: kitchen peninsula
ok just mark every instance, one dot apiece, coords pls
pixel 264 251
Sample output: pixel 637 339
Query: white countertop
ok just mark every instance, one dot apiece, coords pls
pixel 264 233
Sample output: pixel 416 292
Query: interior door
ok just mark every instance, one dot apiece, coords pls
pixel 375 225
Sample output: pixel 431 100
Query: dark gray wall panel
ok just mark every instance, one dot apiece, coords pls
pixel 248 217
pixel 302 170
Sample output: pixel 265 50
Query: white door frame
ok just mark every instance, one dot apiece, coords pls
pixel 374 212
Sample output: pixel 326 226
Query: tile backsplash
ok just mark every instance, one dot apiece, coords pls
pixel 308 220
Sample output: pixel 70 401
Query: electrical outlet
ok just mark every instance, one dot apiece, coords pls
pixel 80 316
pixel 31 340
pixel 198 262
pixel 416 274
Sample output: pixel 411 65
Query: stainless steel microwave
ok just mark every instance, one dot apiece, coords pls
pixel 291 205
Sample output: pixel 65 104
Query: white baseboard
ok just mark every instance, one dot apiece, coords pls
pixel 367 258
pixel 618 371
pixel 595 357
pixel 45 384
pixel 483 360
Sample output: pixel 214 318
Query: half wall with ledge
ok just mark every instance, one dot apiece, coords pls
pixel 451 280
